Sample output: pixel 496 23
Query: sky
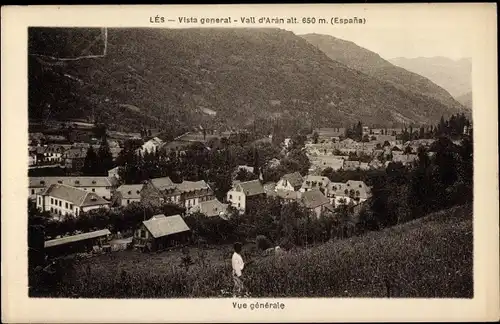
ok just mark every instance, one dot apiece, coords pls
pixel 390 43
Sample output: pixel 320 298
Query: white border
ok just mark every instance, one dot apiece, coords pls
pixel 479 21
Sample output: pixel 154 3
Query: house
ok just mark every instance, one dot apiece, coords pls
pixel 194 192
pixel 74 158
pixel 316 202
pixel 242 192
pixel 79 243
pixel 312 182
pixel 150 146
pixel 345 193
pixel 273 163
pixel 62 200
pixel 352 165
pixel 290 182
pixel 32 158
pixel 160 232
pixel 160 190
pixel 325 162
pixel 53 153
pixel 128 193
pixel 114 172
pixel 102 186
pixel 210 208
pixel 406 159
pixel 375 164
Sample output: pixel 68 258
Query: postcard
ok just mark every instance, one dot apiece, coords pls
pixel 249 163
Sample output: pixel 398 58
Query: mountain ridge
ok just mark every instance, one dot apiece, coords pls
pixel 374 65
pixel 168 77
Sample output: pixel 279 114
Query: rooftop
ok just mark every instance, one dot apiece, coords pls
pixel 161 225
pixel 77 197
pixel 76 238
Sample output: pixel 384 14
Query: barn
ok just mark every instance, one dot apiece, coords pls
pixel 160 232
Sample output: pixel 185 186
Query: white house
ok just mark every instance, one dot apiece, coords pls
pixel 62 200
pixel 150 146
pixel 243 192
pixel 312 182
pixel 350 191
pixel 129 193
pixel 114 172
pixel 291 182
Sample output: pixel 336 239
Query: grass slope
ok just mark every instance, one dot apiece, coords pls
pixel 170 76
pixel 426 258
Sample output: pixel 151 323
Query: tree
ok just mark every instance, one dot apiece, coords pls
pixel 91 163
pixel 245 175
pixel 104 157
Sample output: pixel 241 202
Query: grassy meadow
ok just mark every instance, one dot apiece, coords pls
pixel 427 258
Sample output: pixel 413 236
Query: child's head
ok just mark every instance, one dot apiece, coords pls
pixel 237 247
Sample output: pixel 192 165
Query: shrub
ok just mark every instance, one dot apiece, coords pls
pixel 263 243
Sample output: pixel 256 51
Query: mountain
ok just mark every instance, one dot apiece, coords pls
pixel 372 64
pixel 453 75
pixel 170 78
pixel 466 99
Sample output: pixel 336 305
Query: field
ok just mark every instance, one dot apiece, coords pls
pixel 427 258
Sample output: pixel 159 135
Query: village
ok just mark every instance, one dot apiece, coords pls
pixel 328 150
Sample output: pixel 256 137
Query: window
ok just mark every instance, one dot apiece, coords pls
pixel 239 205
pixel 60 203
pixel 128 201
pixel 51 209
pixel 59 181
pixel 42 182
pixel 239 198
pixel 77 181
pixel 93 189
pixel 130 192
pixel 66 205
pixel 230 196
pixel 360 186
pixel 32 191
pixel 70 206
pixel 51 201
pixel 93 182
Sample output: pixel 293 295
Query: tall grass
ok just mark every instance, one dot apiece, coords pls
pixel 426 258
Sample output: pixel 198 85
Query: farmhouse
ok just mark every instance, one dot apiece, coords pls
pixel 315 201
pixel 290 182
pixel 61 200
pixel 160 232
pixel 242 192
pixel 406 159
pixel 345 193
pixel 101 186
pixel 76 243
